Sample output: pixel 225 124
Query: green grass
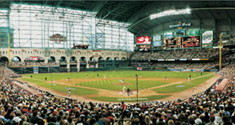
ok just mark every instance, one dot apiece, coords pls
pixel 112 84
pixel 146 74
pixel 176 88
pixel 114 99
pixel 62 88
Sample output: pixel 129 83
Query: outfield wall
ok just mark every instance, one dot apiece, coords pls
pixel 29 70
pixel 54 69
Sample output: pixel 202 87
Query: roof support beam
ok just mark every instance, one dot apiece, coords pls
pixel 98 7
pixel 46 1
pixel 196 15
pixel 212 16
pixel 119 5
pixel 125 11
pixel 229 18
pixel 58 4
pixel 229 21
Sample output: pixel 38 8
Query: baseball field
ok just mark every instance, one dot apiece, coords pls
pixel 111 86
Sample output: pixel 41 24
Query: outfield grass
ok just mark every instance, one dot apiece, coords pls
pixel 62 88
pixel 145 74
pixel 181 87
pixel 133 99
pixel 112 82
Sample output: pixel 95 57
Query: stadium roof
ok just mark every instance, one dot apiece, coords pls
pixel 137 12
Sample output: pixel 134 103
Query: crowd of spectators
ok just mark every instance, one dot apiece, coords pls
pixel 177 54
pixel 200 58
pixel 18 106
pixel 202 65
pixel 177 65
pixel 228 71
pixel 31 64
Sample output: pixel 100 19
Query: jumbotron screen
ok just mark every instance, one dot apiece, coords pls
pixel 193 41
pixel 181 42
pixel 143 40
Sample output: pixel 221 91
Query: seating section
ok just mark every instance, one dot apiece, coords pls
pixel 177 54
pixel 202 58
pixel 19 106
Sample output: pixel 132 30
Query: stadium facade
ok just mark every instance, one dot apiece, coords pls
pixel 61 35
pixel 77 39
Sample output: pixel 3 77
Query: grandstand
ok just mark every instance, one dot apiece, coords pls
pixel 117 62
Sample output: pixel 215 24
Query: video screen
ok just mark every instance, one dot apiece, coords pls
pixel 181 42
pixel 193 41
pixel 143 48
pixel 143 40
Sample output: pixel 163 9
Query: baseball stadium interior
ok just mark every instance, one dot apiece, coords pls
pixel 85 62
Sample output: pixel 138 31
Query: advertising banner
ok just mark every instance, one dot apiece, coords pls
pixel 58 38
pixel 193 41
pixel 143 40
pixel 170 59
pixel 193 32
pixel 195 59
pixel 157 43
pixel 198 70
pixel 157 38
pixel 179 33
pixel 168 35
pixel 204 59
pixel 180 24
pixel 160 59
pixel 183 59
pixel 207 37
pixel 139 68
pixel 35 69
pixel 91 66
pixel 186 70
pixel 175 70
pixel 34 58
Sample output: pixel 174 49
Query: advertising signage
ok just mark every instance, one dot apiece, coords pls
pixel 157 41
pixel 58 38
pixel 179 33
pixel 168 35
pixel 143 40
pixel 193 41
pixel 34 58
pixel 207 37
pixel 193 32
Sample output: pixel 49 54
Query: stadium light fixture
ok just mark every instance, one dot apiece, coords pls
pixel 170 13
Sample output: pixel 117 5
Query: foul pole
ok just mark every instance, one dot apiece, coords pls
pixel 8 33
pixel 220 51
pixel 137 88
pixel 9 50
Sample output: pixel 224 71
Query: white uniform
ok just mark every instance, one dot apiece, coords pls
pixel 123 89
